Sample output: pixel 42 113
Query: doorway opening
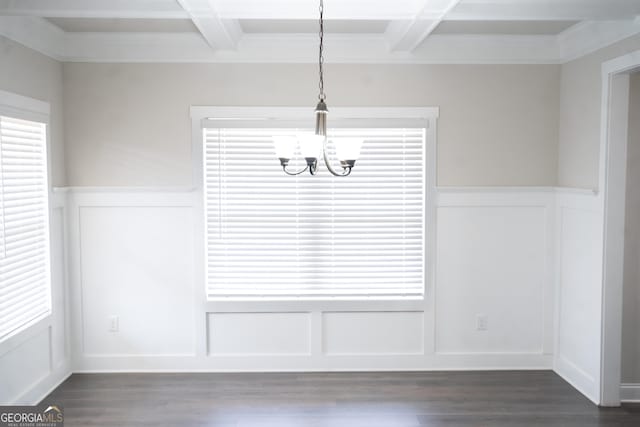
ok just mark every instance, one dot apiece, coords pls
pixel 619 179
pixel 630 346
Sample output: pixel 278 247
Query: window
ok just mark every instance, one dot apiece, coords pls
pixel 278 236
pixel 24 224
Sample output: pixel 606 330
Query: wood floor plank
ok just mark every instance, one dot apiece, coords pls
pixel 403 399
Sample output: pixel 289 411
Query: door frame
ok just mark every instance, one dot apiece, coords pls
pixel 612 182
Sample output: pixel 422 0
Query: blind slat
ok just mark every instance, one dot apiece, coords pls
pixel 24 233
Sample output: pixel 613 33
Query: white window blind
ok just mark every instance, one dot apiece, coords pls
pixel 24 228
pixel 273 235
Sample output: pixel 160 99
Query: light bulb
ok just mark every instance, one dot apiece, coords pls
pixel 347 149
pixel 285 146
pixel 311 145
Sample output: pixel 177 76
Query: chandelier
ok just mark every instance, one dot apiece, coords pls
pixel 311 145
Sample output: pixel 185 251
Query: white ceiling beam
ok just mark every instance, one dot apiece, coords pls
pixel 220 34
pixel 405 36
pixel 545 10
pixel 123 9
pixel 579 40
pixel 41 35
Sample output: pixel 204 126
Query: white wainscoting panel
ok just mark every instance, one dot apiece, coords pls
pixel 377 333
pixel 133 256
pixel 137 265
pixel 579 287
pixel 492 264
pixel 256 334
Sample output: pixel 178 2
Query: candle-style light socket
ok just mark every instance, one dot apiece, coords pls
pixel 347 164
pixel 321 118
pixel 312 163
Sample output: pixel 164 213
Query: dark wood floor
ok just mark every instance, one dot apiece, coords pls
pixel 538 398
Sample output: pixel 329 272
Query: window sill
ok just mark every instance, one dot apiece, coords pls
pixel 269 305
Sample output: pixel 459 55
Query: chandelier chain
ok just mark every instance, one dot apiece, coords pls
pixel 321 95
pixel 320 134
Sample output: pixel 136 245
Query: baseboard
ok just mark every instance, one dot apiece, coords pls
pixel 40 390
pixel 630 392
pixel 579 379
pixel 323 363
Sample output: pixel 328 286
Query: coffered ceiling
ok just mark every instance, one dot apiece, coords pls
pixel 357 31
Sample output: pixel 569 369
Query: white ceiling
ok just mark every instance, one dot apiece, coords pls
pixel 385 31
pixel 119 25
pixel 305 26
pixel 503 27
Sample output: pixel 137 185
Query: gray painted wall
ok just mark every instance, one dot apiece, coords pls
pixel 129 124
pixel 580 109
pixel 29 73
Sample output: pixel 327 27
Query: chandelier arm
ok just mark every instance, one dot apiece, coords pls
pixel 345 170
pixel 284 168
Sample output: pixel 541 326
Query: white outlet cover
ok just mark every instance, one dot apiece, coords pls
pixel 114 324
pixel 482 322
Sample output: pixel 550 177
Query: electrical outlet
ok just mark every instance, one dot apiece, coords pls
pixel 114 323
pixel 482 322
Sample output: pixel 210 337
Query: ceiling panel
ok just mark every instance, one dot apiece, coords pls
pixel 546 9
pixel 298 26
pixel 504 27
pixel 93 8
pixel 334 9
pixel 115 25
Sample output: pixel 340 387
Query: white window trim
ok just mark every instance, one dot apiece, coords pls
pixel 23 107
pixel 425 117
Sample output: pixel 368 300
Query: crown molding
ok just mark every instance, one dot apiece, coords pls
pixel 584 38
pixel 302 49
pixel 488 49
pixel 35 33
pixel 579 10
pixel 117 9
pixel 590 36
